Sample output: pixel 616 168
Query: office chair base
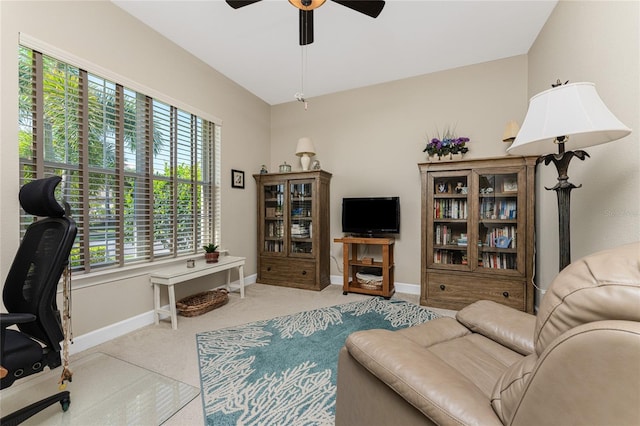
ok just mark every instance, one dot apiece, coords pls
pixel 23 414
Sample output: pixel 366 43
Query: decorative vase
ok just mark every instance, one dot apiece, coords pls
pixel 212 257
pixel 451 157
pixel 447 157
pixel 285 168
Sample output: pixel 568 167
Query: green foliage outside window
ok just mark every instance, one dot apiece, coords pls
pixel 136 191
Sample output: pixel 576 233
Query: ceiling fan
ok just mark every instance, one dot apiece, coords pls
pixel 370 8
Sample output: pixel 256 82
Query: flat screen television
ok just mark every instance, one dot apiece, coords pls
pixel 371 215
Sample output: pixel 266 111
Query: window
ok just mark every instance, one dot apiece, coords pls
pixel 140 176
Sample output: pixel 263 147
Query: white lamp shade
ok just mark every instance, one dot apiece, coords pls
pixel 574 110
pixel 305 147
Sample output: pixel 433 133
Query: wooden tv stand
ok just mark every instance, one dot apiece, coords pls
pixel 352 265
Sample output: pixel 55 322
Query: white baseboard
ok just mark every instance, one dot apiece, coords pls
pixel 408 288
pixel 400 287
pixel 104 334
pixel 96 337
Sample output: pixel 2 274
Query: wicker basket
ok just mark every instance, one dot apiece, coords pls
pixel 370 282
pixel 201 303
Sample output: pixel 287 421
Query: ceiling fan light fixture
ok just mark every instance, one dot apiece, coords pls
pixel 307 4
pixel 370 8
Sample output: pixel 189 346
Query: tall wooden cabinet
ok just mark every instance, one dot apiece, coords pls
pixel 293 229
pixel 478 232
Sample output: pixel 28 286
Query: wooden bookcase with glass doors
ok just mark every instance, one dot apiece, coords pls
pixel 293 229
pixel 478 232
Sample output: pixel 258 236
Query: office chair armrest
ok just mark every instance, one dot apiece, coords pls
pixel 10 319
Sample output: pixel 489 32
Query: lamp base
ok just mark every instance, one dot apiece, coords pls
pixel 563 191
pixel 305 160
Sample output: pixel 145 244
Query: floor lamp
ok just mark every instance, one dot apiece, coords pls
pixel 567 116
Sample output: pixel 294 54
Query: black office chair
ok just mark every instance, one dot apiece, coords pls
pixel 29 295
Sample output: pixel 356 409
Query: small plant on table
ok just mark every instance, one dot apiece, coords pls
pixel 211 252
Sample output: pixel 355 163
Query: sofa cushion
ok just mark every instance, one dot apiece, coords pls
pixel 450 381
pixel 602 286
pixel 508 390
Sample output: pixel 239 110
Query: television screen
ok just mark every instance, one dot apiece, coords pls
pixel 371 215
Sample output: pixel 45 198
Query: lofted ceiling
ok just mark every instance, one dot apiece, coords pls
pixel 257 46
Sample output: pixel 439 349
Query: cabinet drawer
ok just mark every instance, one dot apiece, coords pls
pixel 457 291
pixel 287 272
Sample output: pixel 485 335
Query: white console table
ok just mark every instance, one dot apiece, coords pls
pixel 171 275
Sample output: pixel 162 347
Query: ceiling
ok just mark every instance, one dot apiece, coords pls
pixel 257 46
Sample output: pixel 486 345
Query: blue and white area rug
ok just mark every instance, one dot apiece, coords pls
pixel 283 371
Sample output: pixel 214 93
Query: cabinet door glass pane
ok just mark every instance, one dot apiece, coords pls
pixel 300 219
pixel 498 225
pixel 450 215
pixel 273 218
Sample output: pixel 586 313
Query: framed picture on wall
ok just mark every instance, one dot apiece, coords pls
pixel 237 179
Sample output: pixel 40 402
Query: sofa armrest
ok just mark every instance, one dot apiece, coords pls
pixel 364 400
pixel 435 331
pixel 588 375
pixel 422 378
pixel 507 326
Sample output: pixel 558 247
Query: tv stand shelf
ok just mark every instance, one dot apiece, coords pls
pixel 352 265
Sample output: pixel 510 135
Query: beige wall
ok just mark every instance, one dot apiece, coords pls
pixel 371 139
pixel 104 35
pixel 596 42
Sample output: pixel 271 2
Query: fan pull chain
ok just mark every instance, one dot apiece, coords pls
pixel 303 69
pixel 66 326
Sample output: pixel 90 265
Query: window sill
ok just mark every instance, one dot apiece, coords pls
pixel 117 274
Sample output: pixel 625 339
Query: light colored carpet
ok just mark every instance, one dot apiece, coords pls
pixel 173 353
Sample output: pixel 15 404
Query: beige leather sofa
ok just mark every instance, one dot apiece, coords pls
pixel 576 363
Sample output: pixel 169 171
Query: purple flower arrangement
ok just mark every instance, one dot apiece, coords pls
pixel 446 146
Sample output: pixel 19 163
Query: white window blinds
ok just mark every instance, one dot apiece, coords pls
pixel 139 174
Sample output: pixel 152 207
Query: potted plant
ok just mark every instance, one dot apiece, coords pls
pixel 211 253
pixel 444 147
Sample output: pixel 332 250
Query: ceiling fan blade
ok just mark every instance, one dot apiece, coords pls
pixel 236 4
pixel 306 27
pixel 370 8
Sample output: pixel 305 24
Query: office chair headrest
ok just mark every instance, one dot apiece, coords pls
pixel 37 197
